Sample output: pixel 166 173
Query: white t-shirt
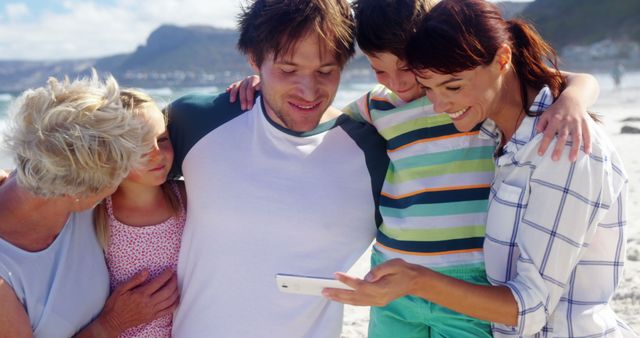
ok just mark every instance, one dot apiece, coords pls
pixel 265 200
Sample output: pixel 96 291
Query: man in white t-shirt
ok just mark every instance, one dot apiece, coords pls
pixel 291 186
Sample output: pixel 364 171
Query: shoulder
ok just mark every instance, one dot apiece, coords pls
pixel 603 151
pixel 11 277
pixel 200 101
pixel 602 167
pixel 195 107
pixel 382 98
pixel 365 136
pixel 379 91
pixel 14 321
pixel 192 117
pixel 182 190
pixel 5 273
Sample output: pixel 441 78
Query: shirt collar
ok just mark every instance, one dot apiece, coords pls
pixel 320 128
pixel 527 129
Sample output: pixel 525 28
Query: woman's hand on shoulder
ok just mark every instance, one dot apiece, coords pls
pixel 568 116
pixel 564 119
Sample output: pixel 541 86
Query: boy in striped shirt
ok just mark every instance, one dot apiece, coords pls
pixel 435 194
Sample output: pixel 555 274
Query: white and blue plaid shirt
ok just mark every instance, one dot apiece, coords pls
pixel 556 234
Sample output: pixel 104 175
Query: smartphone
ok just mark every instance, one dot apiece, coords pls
pixel 307 285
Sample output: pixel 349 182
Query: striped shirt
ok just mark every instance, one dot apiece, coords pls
pixel 434 198
pixel 556 235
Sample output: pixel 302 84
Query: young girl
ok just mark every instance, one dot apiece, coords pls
pixel 140 225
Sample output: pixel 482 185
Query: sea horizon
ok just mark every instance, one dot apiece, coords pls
pixel 349 91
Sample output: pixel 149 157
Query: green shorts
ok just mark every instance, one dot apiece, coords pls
pixel 410 316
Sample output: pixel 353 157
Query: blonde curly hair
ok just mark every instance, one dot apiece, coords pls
pixel 75 138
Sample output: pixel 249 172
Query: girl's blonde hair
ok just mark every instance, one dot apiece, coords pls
pixel 134 101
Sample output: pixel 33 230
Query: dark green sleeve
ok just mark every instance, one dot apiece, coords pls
pixel 374 148
pixel 192 117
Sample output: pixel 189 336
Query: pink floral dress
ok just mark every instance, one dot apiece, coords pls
pixel 132 249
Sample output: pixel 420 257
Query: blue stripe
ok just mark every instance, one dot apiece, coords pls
pixel 424 134
pixel 432 197
pixel 431 246
pixel 380 105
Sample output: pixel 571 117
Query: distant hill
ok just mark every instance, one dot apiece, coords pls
pixel 171 57
pixel 511 8
pixel 584 22
pixel 172 48
pixel 205 56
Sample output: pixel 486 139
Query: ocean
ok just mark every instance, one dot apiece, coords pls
pixel 347 93
pixel 613 103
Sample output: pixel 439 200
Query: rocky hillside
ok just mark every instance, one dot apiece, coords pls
pixel 584 22
pixel 204 56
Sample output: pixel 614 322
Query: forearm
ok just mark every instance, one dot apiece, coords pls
pixel 581 87
pixel 491 303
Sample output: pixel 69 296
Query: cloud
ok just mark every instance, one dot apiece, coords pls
pixel 86 29
pixel 15 11
pixel 89 29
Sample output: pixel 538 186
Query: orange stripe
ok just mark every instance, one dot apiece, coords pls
pixel 417 192
pixel 428 253
pixel 381 99
pixel 470 133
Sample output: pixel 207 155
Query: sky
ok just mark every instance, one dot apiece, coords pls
pixel 74 29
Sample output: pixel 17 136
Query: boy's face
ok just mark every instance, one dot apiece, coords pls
pixel 393 73
pixel 299 86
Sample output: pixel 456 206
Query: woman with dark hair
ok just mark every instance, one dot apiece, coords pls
pixel 555 238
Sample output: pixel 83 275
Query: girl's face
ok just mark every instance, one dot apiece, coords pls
pixel 157 162
pixel 468 97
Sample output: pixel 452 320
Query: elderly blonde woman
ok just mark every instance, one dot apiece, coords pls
pixel 73 143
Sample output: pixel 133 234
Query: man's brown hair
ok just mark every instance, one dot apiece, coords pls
pixel 275 26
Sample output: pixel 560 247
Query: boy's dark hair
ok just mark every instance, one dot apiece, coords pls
pixel 386 25
pixel 275 26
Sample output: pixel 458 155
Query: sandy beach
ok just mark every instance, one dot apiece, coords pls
pixel 615 105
